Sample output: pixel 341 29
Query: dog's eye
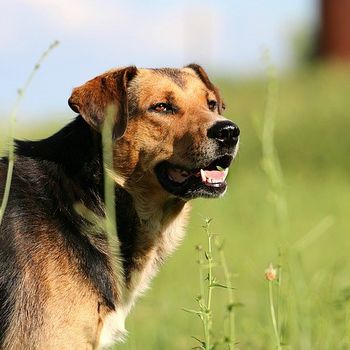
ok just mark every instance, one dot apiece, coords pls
pixel 162 107
pixel 212 105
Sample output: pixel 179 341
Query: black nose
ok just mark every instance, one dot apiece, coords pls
pixel 225 133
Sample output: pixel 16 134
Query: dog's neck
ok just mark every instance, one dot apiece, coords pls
pixel 145 225
pixel 147 236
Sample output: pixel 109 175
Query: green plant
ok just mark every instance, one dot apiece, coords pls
pixel 11 153
pixel 290 257
pixel 207 284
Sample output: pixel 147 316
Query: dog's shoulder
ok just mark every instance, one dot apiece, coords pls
pixel 45 251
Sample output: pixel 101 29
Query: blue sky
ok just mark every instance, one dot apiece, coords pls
pixel 224 36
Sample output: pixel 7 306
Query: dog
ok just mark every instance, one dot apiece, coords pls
pixel 61 285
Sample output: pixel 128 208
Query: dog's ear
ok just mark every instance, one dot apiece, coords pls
pixel 201 73
pixel 92 99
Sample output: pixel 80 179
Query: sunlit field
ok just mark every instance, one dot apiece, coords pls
pixel 311 246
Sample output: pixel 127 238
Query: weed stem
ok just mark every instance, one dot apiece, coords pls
pixel 231 314
pixel 273 317
pixel 210 288
pixel 11 156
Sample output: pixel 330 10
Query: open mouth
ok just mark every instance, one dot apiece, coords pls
pixel 209 181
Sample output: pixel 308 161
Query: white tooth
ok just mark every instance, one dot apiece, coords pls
pixel 226 172
pixel 204 178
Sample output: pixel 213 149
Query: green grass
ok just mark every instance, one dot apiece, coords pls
pixel 313 144
pixel 11 154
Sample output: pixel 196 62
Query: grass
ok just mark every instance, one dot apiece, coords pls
pixel 311 136
pixel 11 153
pixel 312 302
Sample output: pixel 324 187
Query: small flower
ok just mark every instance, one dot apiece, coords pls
pixel 270 273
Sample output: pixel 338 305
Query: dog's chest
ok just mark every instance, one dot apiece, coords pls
pixel 158 240
pixel 113 329
pixel 140 277
pixel 139 280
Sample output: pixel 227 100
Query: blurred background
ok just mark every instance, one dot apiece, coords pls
pixel 227 37
pixel 284 72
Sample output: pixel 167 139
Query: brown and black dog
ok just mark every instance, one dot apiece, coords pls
pixel 60 285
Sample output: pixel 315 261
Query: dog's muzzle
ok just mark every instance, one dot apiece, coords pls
pixel 208 177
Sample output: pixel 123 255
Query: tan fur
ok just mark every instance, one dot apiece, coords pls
pixel 61 288
pixel 148 140
pixel 142 141
pixel 158 139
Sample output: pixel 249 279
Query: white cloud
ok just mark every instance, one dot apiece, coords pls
pixel 110 23
pixel 72 15
pixel 143 33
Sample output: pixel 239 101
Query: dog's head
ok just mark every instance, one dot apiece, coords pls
pixel 170 135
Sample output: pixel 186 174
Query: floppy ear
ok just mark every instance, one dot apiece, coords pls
pixel 201 73
pixel 92 99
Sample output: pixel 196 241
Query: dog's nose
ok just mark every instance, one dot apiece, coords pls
pixel 225 133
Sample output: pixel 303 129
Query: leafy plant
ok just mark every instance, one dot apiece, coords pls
pixel 208 282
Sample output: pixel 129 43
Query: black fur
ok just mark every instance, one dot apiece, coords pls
pixel 50 176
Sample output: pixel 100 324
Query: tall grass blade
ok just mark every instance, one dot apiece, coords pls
pixel 11 155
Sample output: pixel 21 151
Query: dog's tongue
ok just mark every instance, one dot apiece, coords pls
pixel 214 176
pixel 208 176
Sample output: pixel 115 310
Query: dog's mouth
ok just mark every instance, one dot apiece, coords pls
pixel 209 181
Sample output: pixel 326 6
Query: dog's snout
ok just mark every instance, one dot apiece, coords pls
pixel 225 133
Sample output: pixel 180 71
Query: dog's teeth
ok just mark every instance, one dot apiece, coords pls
pixel 226 172
pixel 214 176
pixel 203 176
